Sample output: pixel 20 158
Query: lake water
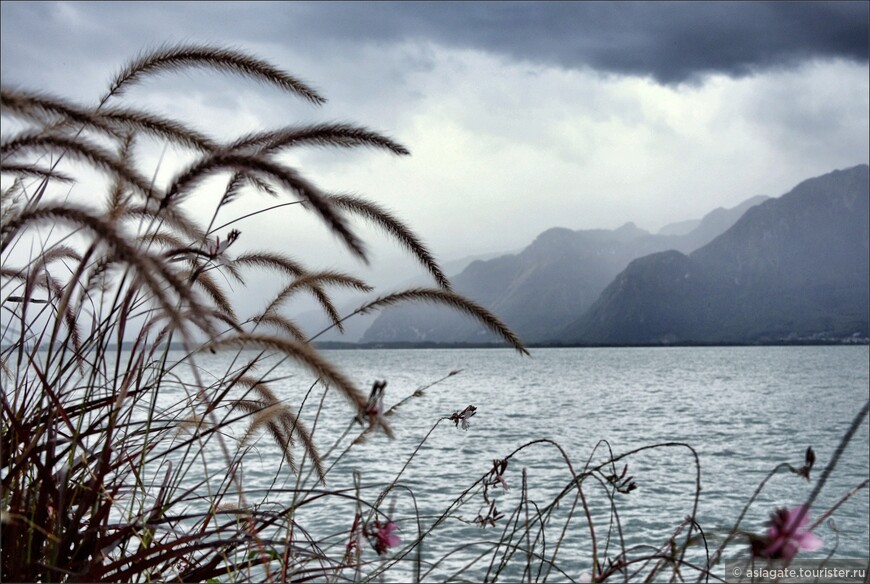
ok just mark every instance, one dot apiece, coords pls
pixel 743 409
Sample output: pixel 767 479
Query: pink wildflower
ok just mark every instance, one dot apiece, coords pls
pixel 786 535
pixel 460 419
pixel 385 538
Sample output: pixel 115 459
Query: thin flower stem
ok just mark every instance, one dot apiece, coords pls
pixel 237 219
pixel 837 505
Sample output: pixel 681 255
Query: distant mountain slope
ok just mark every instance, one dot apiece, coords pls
pixel 313 321
pixel 791 268
pixel 680 228
pixel 714 222
pixel 550 283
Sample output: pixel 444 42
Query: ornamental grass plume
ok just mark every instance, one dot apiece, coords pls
pixel 109 416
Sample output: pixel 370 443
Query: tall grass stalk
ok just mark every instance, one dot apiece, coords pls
pixel 96 462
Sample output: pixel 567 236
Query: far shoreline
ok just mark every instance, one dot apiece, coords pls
pixel 367 346
pixel 337 345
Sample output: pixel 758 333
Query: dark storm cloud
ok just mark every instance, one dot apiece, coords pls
pixel 671 42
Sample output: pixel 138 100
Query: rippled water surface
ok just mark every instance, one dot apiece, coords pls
pixel 744 410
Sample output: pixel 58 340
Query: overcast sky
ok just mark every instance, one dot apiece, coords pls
pixel 519 116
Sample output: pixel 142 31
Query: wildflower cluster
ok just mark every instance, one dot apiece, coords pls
pixel 492 515
pixel 623 484
pixel 494 478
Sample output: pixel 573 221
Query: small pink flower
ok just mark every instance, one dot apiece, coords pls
pixel 786 535
pixel 385 538
pixel 460 419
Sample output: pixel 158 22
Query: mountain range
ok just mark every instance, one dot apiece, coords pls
pixel 545 286
pixel 794 268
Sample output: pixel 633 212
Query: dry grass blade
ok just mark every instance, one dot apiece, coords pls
pixel 238 181
pixel 166 239
pixel 282 324
pixel 119 196
pixel 273 261
pixel 173 218
pixel 34 279
pixel 453 300
pixel 328 307
pixel 159 127
pixel 388 222
pixel 261 185
pixel 113 122
pixel 33 171
pixel 12 202
pixel 257 385
pixel 68 315
pixel 315 281
pixel 282 424
pixel 216 293
pixel 59 252
pixel 148 268
pixel 168 58
pixel 234 188
pixel 343 135
pixel 13 273
pixel 291 424
pixel 268 415
pixel 231 269
pixel 419 392
pixel 306 356
pixel 288 178
pixel 332 278
pixel 12 195
pixel 80 149
pixel 47 109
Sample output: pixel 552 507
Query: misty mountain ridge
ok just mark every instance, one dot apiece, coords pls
pixel 313 321
pixel 716 221
pixel 793 268
pixel 548 284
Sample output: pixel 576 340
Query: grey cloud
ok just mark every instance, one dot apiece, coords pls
pixel 670 42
